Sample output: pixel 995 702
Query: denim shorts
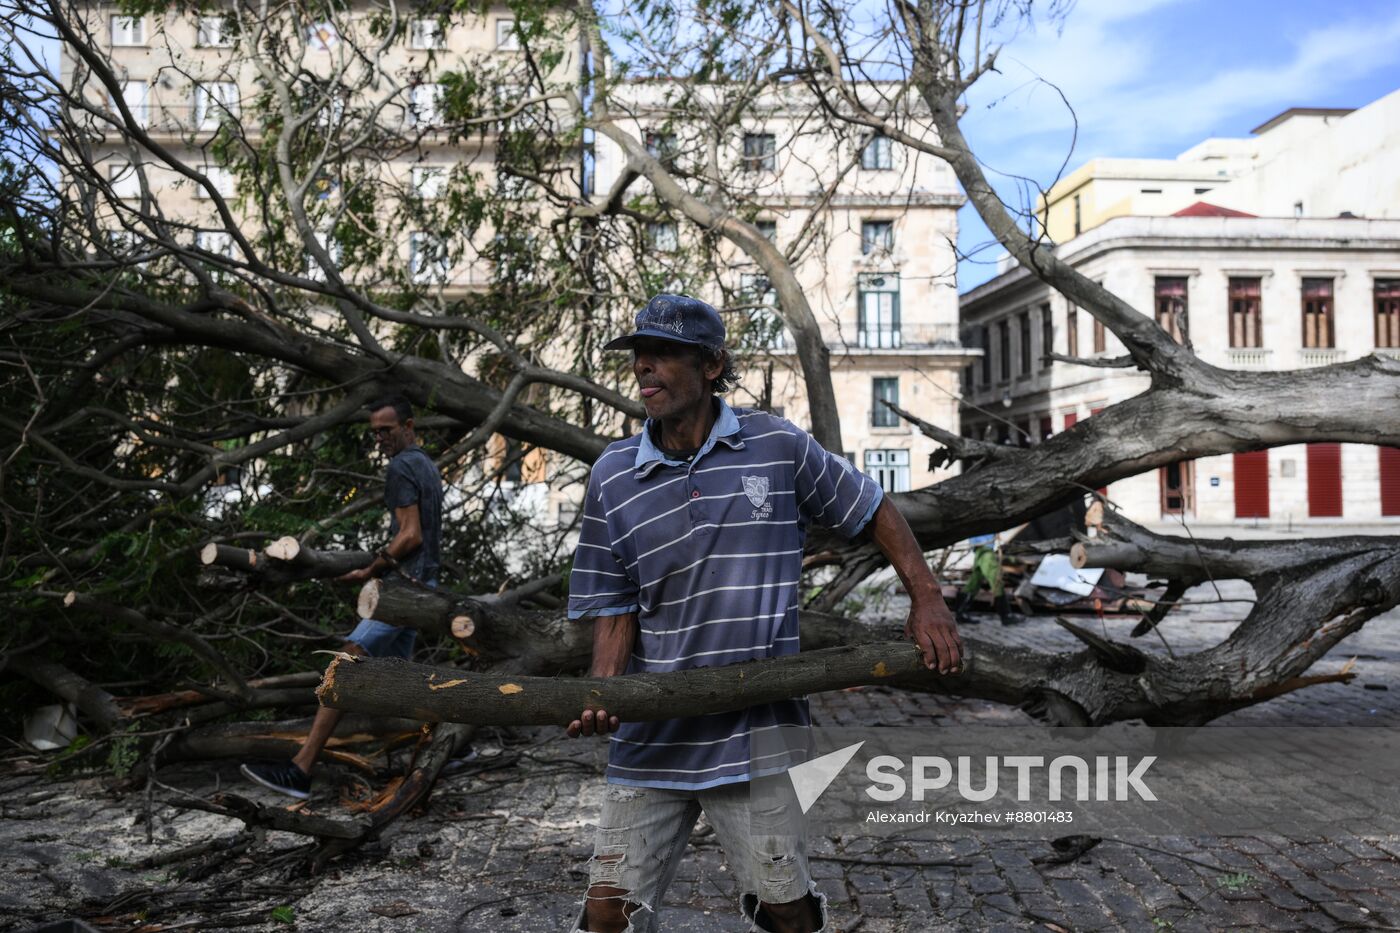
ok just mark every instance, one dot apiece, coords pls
pixel 382 640
pixel 642 836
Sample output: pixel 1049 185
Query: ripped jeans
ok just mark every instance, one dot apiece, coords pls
pixel 642 834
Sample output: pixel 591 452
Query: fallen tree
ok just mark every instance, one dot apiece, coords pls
pixel 1341 582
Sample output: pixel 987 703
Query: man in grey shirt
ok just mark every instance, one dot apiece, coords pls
pixel 413 496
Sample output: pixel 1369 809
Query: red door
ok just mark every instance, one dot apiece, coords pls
pixel 1390 480
pixel 1324 480
pixel 1252 484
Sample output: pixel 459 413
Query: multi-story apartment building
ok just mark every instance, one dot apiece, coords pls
pixel 184 74
pixel 1313 279
pixel 879 273
pixel 878 264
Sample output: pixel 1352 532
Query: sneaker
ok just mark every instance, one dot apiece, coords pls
pixel 283 777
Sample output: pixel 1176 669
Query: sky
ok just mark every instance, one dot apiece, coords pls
pixel 1150 78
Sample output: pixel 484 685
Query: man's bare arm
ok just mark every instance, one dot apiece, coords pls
pixel 613 638
pixel 408 540
pixel 930 623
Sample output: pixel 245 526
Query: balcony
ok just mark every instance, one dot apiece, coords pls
pixel 910 337
pixel 1320 356
pixel 1248 357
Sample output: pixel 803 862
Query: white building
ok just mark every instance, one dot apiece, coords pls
pixel 1295 287
pixel 879 275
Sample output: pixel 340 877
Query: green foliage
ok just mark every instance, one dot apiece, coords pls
pixel 125 752
pixel 284 914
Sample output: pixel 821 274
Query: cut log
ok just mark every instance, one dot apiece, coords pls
pixel 283 561
pixel 389 685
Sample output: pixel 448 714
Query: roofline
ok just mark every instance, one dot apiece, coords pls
pixel 1300 112
pixel 1106 237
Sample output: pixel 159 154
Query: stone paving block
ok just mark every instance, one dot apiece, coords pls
pixel 866 881
pixel 1384 907
pixel 1347 913
pixel 1126 910
pixel 1073 893
pixel 1343 881
pixel 1377 873
pixel 1261 915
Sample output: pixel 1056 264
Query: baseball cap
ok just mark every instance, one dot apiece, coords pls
pixel 678 318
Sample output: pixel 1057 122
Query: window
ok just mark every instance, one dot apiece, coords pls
pixel 128 30
pixel 1072 332
pixel 984 337
pixel 332 108
pixel 214 32
pixel 1024 326
pixel 884 390
pixel 1318 329
pixel 220 177
pixel 889 468
pixel 1003 350
pixel 1100 337
pixel 425 105
pixel 877 299
pixel 1387 313
pixel 1245 313
pixel 1047 336
pixel 663 236
pixel 327 242
pixel 125 182
pixel 876 236
pixel 427 257
pixel 507 39
pixel 1078 216
pixel 877 153
pixel 428 181
pixel 1169 294
pixel 136 96
pixel 217 242
pixel 769 229
pixel 425 33
pixel 214 103
pixel 662 146
pixel 766 328
pixel 760 152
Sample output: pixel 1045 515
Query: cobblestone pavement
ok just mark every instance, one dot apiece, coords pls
pixel 505 849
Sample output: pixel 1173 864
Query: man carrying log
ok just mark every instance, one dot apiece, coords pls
pixel 690 555
pixel 413 496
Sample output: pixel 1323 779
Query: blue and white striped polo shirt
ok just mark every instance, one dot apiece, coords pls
pixel 709 555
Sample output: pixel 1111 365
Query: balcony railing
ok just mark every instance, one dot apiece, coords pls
pixel 880 338
pixel 1320 356
pixel 1248 357
pixel 918 336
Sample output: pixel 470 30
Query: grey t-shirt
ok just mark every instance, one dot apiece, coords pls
pixel 412 479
